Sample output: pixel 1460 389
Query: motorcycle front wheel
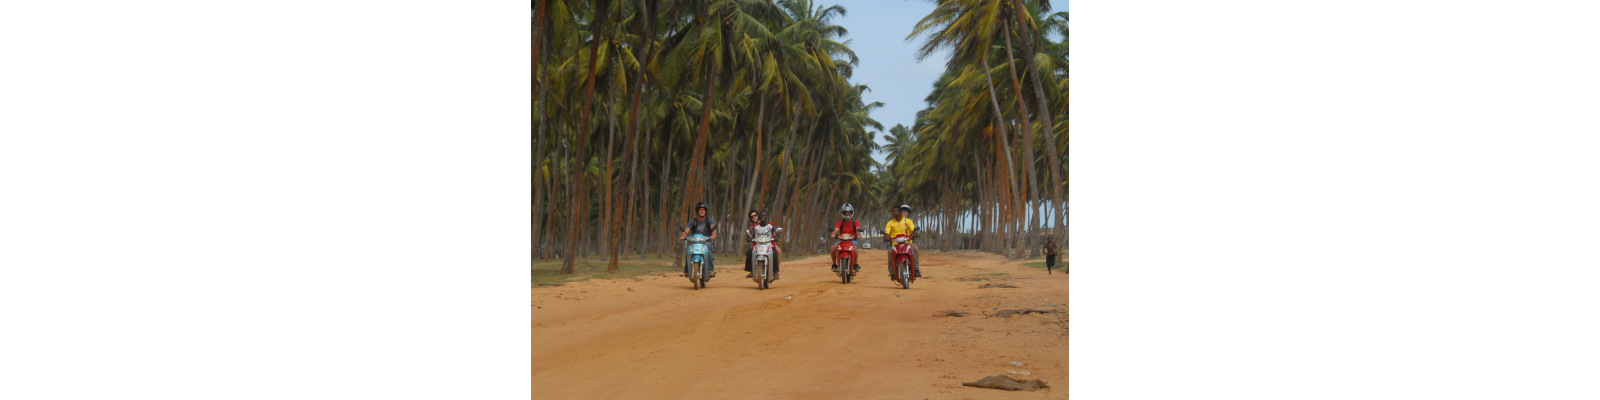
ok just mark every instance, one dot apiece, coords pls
pixel 696 278
pixel 761 275
pixel 905 275
pixel 844 269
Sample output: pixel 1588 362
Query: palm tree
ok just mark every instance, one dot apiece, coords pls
pixel 900 139
pixel 970 28
pixel 968 113
pixel 1028 31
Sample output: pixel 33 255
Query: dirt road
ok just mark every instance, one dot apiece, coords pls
pixel 808 337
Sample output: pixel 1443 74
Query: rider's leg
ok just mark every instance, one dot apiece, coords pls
pixel 916 261
pixel 890 250
pixel 857 245
pixel 835 254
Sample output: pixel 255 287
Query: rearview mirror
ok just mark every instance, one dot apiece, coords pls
pixel 780 229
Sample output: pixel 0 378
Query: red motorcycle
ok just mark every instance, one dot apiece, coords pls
pixel 847 256
pixel 903 266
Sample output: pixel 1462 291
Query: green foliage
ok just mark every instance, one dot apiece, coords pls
pixel 778 67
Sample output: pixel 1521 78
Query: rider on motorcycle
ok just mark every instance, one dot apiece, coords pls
pixel 845 225
pixel 700 225
pixel 763 227
pixel 752 218
pixel 902 225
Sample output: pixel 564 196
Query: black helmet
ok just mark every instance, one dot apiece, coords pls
pixel 701 205
pixel 904 207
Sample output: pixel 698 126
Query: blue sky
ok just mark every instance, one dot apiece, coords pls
pixel 878 29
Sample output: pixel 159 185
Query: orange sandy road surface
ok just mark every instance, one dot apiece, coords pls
pixel 657 337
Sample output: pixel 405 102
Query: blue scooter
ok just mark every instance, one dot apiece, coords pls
pixel 697 256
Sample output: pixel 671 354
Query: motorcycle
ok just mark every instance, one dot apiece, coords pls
pixel 697 256
pixel 847 257
pixel 762 259
pixel 900 252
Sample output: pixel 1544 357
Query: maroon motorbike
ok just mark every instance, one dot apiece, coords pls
pixel 847 256
pixel 903 266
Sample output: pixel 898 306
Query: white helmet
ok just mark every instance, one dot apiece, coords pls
pixel 847 208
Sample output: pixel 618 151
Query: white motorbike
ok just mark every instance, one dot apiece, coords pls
pixel 761 261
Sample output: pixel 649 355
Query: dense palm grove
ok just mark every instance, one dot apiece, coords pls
pixel 643 108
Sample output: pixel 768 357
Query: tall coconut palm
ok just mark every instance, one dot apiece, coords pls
pixel 899 140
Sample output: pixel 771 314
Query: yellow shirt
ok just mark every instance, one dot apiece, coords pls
pixel 902 226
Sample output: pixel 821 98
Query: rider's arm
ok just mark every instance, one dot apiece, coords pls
pixel 713 231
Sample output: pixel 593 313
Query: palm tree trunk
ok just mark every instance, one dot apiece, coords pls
pixel 615 239
pixel 549 223
pixel 666 174
pixel 816 186
pixel 582 140
pixel 1027 142
pixel 731 178
pixel 645 218
pixel 634 118
pixel 793 199
pixel 783 181
pixel 692 188
pixel 591 234
pixel 755 168
pixel 1047 120
pixel 607 211
pixel 999 124
pixel 634 182
pixel 762 197
pixel 539 106
pixel 538 35
pixel 980 212
pixel 573 198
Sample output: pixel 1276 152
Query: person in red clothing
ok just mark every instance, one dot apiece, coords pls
pixel 846 226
